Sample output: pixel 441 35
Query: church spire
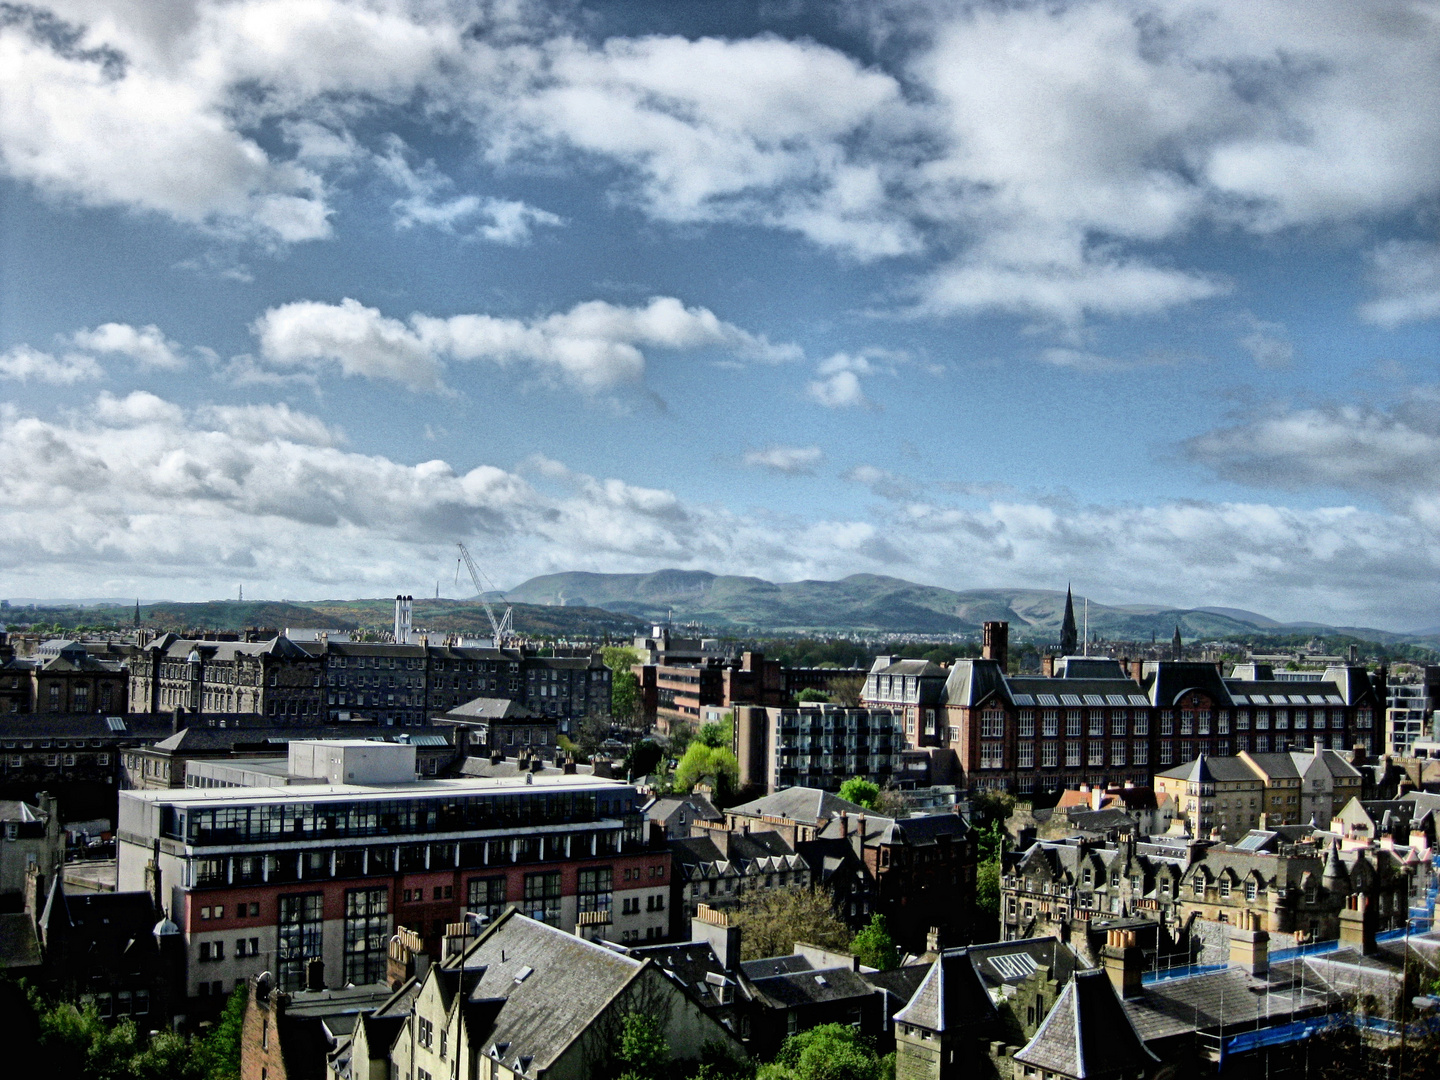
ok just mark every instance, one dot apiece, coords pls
pixel 1068 637
pixel 1177 647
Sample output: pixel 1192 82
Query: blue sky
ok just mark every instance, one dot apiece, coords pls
pixel 1140 296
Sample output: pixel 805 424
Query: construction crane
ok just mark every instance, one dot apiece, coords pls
pixel 502 628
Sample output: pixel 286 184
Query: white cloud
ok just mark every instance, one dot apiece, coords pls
pixel 789 460
pixel 838 383
pixel 500 221
pixel 1392 453
pixel 24 364
pixel 1267 343
pixel 1406 274
pixel 122 490
pixel 147 346
pixel 883 483
pixel 593 346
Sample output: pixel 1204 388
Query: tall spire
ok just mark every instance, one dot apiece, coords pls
pixel 1068 635
pixel 1177 647
pixel 137 611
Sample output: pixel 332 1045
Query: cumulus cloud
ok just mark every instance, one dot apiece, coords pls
pixel 1393 453
pixel 121 490
pixel 789 460
pixel 146 345
pixel 24 364
pixel 1267 343
pixel 837 385
pixel 1406 275
pixel 427 203
pixel 593 346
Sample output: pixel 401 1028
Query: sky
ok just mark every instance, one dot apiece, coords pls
pixel 297 294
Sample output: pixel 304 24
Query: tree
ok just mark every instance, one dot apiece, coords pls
pixel 717 734
pixel 771 921
pixel 847 689
pixel 219 1052
pixel 624 686
pixel 717 765
pixel 861 792
pixel 827 1052
pixel 987 888
pixel 812 694
pixel 642 759
pixel 874 945
pixel 644 1052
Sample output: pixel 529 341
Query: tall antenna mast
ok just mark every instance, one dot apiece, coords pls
pixel 1087 626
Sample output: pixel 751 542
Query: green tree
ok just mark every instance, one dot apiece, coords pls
pixel 219 1052
pixel 771 921
pixel 717 734
pixel 642 759
pixel 644 1053
pixel 624 686
pixel 812 694
pixel 861 792
pixel 828 1052
pixel 987 888
pixel 874 945
pixel 718 766
pixel 619 657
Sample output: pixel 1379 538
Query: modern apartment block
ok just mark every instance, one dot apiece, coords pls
pixel 814 745
pixel 1101 721
pixel 325 863
pixel 1410 710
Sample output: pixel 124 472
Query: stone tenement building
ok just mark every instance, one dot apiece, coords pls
pixel 1295 888
pixel 319 682
pixel 1100 721
pixel 65 680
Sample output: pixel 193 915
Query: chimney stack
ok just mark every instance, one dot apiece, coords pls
pixel 1047 665
pixel 1250 946
pixel 713 926
pixel 1124 962
pixel 1357 924
pixel 315 974
pixel 997 644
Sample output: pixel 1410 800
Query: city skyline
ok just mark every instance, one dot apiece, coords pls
pixel 1140 297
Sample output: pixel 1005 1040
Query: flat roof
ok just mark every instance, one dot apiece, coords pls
pixel 335 792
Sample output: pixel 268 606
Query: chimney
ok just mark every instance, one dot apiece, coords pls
pixel 1097 796
pixel 997 644
pixel 177 721
pixel 1354 653
pixel 1357 924
pixel 315 974
pixel 1249 946
pixel 713 926
pixel 1124 962
pixel 1137 670
pixel 457 938
pixel 152 880
pixel 1047 665
pixel 844 823
pixel 932 940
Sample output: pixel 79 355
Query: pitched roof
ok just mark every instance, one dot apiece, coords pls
pixel 791 988
pixel 950 996
pixel 802 804
pixel 545 987
pixel 489 708
pixel 1087 1033
pixel 19 944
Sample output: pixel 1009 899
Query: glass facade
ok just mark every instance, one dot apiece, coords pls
pixel 302 920
pixel 542 897
pixel 486 897
pixel 367 932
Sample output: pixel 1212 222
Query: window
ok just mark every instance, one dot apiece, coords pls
pixel 367 932
pixel 542 897
pixel 595 889
pixel 1049 755
pixel 425 1033
pixel 1117 722
pixel 1097 723
pixel 1097 754
pixel 1050 725
pixel 991 754
pixel 1167 722
pixel 1167 753
pixel 1242 720
pixel 1027 723
pixel 992 724
pixel 1072 722
pixel 1117 753
pixel 1187 722
pixel 1027 755
pixel 1142 722
pixel 1250 890
pixel 1072 753
pixel 301 925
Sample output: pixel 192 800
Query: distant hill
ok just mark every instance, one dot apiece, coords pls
pixel 877 604
pixel 442 616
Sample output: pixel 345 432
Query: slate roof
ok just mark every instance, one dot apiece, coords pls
pixel 695 968
pixel 539 987
pixel 752 853
pixel 19 944
pixel 1207 769
pixel 1167 680
pixel 805 805
pixel 664 807
pixel 259 736
pixel 775 965
pixel 951 995
pixel 1087 1033
pixel 912 831
pixel 899 984
pixel 920 668
pixel 973 681
pixel 488 708
pixel 16 811
pixel 1230 997
pixel 812 987
pixel 1007 963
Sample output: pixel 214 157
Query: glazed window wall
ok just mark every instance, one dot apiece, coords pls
pixel 367 931
pixel 290 821
pixel 486 897
pixel 542 897
pixel 302 922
